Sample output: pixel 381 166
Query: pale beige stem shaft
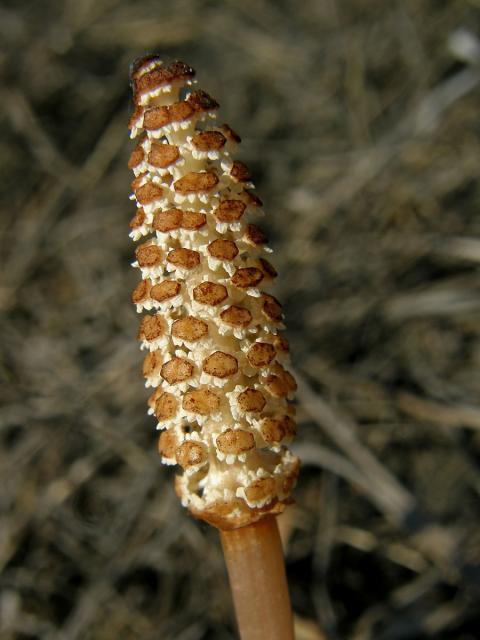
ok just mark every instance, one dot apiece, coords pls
pixel 256 570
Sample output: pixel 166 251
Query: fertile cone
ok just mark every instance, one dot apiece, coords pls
pixel 216 357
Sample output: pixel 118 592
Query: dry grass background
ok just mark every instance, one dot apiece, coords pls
pixel 360 123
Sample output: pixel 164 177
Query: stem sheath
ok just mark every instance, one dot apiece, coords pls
pixel 256 570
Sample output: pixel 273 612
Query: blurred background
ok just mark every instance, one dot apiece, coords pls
pixel 360 123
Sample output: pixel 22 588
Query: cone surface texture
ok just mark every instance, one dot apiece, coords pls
pixel 215 356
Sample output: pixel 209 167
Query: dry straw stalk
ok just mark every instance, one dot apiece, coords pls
pixel 215 353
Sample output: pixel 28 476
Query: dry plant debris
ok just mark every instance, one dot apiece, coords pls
pixel 360 126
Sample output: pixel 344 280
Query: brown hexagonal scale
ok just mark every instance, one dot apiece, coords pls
pixel 240 172
pixel 177 370
pixel 220 365
pixel 152 361
pixel 138 181
pixel 136 156
pixel 260 354
pixel 156 118
pixel 163 155
pixel 281 383
pixel 151 327
pixel 146 64
pixel 165 290
pixel 148 193
pixel 178 70
pixel 223 250
pixel 209 141
pixel 230 210
pixel 134 118
pixel 148 255
pixel 180 111
pixel 272 430
pixel 251 199
pixel 261 489
pixel 161 76
pixel 138 219
pixel 230 133
pixel 267 268
pixel 210 293
pixel 236 316
pixel 167 444
pixel 281 344
pixel 153 398
pixel 290 426
pixel 235 441
pixel 192 220
pixel 201 401
pixel 169 220
pixel 201 101
pixel 276 386
pixel 184 258
pixel 275 429
pixel 190 453
pixel 271 308
pixel 165 407
pixel 254 235
pixel 247 277
pixel 143 64
pixel 251 400
pixel 289 380
pixel 141 291
pixel 189 329
pixel 196 182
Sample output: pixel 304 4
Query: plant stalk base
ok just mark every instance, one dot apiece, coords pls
pixel 256 570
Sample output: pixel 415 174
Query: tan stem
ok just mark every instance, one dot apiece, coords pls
pixel 256 570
